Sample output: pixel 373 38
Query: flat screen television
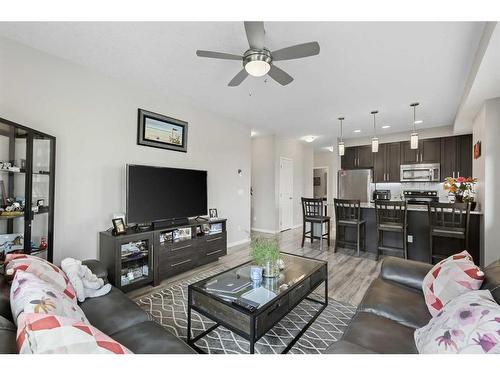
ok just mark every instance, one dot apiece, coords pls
pixel 157 193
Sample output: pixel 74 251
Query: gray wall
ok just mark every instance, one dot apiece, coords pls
pixel 95 121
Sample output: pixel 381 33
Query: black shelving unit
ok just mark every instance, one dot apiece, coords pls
pixel 30 180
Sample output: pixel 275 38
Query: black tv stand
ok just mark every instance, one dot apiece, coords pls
pixel 161 256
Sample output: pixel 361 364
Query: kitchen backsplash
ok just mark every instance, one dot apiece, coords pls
pixel 397 188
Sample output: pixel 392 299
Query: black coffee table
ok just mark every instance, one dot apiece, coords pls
pixel 277 296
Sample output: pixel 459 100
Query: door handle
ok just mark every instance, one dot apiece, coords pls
pixel 458 174
pixel 453 174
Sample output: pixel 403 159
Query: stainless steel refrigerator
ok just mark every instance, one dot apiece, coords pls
pixel 354 184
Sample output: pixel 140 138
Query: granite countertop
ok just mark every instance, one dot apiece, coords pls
pixel 413 207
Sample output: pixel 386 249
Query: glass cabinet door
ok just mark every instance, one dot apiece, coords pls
pixel 136 261
pixel 27 166
pixel 13 151
pixel 41 194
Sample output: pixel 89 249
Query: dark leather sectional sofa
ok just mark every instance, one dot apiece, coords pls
pixel 393 307
pixel 114 314
pixel 385 321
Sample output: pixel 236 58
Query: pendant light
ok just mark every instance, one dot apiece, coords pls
pixel 414 134
pixel 374 139
pixel 341 143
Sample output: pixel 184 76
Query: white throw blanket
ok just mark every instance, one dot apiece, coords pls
pixel 85 283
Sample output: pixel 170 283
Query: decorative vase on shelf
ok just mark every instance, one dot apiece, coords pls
pixel 473 205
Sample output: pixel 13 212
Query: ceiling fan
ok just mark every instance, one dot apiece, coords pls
pixel 258 60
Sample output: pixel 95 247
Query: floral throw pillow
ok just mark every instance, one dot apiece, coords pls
pixel 52 334
pixel 469 323
pixel 41 268
pixel 29 294
pixel 450 278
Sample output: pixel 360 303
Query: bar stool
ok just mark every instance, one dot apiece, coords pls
pixel 449 220
pixel 348 215
pixel 391 216
pixel 312 212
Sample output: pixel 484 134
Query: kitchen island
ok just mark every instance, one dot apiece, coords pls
pixel 418 229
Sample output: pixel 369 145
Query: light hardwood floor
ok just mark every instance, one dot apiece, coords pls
pixel 348 276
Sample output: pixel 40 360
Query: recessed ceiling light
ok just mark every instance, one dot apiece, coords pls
pixel 386 126
pixel 357 131
pixel 309 138
pixel 418 122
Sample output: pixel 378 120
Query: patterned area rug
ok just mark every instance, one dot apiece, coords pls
pixel 168 306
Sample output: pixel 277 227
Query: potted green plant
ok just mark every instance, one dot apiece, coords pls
pixel 265 253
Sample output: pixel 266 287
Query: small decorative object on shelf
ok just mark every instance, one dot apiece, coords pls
pixel 184 233
pixel 265 253
pixel 119 226
pixel 462 189
pixel 215 228
pixel 213 213
pixel 43 244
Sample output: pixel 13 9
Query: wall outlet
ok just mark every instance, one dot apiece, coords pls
pixel 410 238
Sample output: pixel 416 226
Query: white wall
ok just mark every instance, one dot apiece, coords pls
pixel 491 154
pixel 266 152
pixel 302 156
pixel 263 180
pixel 95 121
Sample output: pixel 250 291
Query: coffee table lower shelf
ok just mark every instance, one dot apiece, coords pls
pixel 251 321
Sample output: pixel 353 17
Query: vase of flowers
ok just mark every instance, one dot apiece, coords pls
pixel 265 253
pixel 462 188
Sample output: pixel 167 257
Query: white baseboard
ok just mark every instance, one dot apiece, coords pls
pixel 264 230
pixel 236 243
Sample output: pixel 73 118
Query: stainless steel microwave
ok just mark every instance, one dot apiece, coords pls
pixel 420 172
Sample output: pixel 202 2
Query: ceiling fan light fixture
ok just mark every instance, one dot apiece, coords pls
pixel 257 68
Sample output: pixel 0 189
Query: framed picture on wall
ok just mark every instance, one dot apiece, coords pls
pixel 155 130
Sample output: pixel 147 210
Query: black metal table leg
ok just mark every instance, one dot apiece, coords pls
pixel 188 334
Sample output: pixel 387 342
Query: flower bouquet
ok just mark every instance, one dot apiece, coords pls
pixel 461 187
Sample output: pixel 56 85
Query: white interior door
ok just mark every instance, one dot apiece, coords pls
pixel 286 194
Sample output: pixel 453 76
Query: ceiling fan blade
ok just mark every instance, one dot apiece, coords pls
pixel 255 34
pixel 279 75
pixel 218 55
pixel 296 52
pixel 238 78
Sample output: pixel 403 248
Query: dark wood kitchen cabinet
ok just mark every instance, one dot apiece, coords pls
pixel 348 160
pixel 386 163
pixel 357 157
pixel 429 151
pixel 456 156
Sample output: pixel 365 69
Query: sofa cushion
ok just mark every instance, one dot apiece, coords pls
pixel 380 335
pixel 450 278
pixel 7 336
pixel 402 304
pixel 113 312
pixel 151 338
pixel 52 334
pixel 29 294
pixel 404 271
pixel 492 280
pixel 469 323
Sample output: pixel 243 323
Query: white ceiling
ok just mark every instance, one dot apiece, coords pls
pixel 485 79
pixel 362 66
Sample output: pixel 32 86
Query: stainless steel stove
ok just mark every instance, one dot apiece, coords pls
pixel 420 196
